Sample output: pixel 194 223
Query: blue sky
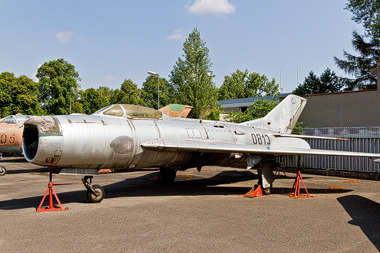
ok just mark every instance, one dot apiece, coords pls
pixel 109 41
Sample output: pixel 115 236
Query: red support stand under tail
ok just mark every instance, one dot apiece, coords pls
pixel 296 186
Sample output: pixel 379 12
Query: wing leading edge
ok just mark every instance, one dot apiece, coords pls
pixel 279 146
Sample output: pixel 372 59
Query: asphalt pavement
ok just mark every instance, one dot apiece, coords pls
pixel 200 212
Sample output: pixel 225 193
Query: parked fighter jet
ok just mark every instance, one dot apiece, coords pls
pixel 11 128
pixel 130 136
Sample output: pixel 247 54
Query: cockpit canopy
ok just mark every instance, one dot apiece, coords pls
pixel 15 119
pixel 129 111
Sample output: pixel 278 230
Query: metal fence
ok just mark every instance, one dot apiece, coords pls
pixel 360 139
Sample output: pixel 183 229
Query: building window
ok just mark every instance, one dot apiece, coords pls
pixel 243 109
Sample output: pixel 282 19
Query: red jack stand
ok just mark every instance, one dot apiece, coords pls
pixel 51 191
pixel 296 186
pixel 254 192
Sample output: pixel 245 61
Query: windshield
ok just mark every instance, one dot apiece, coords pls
pixel 8 120
pixel 136 111
pixel 114 111
pixel 133 111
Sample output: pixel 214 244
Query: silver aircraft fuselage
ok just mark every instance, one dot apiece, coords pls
pixel 91 141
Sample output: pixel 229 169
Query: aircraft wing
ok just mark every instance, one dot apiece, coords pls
pixel 277 148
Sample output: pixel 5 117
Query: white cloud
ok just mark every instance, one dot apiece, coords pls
pixel 34 74
pixel 177 35
pixel 109 78
pixel 64 36
pixel 216 7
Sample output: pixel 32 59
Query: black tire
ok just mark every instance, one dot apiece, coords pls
pixel 3 170
pixel 267 191
pixel 167 176
pixel 91 197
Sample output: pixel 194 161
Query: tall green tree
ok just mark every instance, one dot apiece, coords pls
pixel 367 13
pixel 367 45
pixel 58 84
pixel 18 95
pixel 128 93
pixel 191 77
pixel 92 100
pixel 106 93
pixel 150 90
pixel 244 84
pixel 328 82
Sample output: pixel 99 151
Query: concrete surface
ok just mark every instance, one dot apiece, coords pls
pixel 200 212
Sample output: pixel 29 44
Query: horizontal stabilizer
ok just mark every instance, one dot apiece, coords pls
pixel 310 137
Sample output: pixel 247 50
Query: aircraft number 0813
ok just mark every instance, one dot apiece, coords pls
pixel 261 139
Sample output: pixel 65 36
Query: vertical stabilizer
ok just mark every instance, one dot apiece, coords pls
pixel 283 117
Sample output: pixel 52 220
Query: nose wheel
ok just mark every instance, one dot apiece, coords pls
pixel 3 170
pixel 95 193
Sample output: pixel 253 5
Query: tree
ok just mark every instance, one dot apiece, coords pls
pixel 58 84
pixel 328 82
pixel 149 92
pixel 359 66
pixel 129 93
pixel 258 109
pixel 106 93
pixel 233 86
pixel 93 100
pixel 215 113
pixel 244 84
pixel 18 95
pixel 365 12
pixel 191 77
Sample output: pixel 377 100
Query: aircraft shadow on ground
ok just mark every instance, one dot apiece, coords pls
pixel 14 160
pixel 21 171
pixel 143 186
pixel 365 213
pixel 185 185
pixel 7 163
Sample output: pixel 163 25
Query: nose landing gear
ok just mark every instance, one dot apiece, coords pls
pixel 95 193
pixel 3 170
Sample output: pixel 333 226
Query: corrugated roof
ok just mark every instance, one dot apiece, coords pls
pixel 250 99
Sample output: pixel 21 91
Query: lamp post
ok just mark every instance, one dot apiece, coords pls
pixel 158 87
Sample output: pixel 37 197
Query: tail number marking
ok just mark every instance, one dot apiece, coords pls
pixel 260 139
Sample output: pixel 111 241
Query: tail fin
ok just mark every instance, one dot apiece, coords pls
pixel 283 117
